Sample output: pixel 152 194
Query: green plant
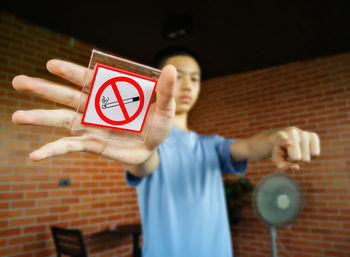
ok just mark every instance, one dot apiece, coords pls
pixel 237 192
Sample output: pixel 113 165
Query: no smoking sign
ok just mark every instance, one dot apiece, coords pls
pixel 118 99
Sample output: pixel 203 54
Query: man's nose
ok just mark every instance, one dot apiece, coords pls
pixel 186 83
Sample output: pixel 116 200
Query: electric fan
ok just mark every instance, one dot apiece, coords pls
pixel 278 203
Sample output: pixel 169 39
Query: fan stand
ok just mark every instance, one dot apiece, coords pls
pixel 273 241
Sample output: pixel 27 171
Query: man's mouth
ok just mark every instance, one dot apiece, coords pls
pixel 185 99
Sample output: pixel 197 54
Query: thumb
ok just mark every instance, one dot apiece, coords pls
pixel 166 89
pixel 280 152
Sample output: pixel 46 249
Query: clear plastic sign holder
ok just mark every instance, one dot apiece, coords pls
pixel 97 59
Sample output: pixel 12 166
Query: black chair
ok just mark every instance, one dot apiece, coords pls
pixel 69 242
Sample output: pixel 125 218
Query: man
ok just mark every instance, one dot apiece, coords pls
pixel 177 171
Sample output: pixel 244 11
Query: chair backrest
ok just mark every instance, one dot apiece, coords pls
pixel 69 242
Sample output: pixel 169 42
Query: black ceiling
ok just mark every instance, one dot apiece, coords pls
pixel 228 36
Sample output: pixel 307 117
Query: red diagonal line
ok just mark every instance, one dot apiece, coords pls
pixel 120 100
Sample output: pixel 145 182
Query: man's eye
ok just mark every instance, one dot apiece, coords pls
pixel 195 79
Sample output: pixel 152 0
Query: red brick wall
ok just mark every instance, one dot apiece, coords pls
pixel 30 198
pixel 312 95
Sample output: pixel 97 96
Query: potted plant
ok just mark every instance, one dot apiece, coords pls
pixel 237 195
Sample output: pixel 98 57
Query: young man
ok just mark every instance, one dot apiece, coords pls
pixel 177 172
pixel 182 202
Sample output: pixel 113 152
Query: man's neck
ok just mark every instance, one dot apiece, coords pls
pixel 180 121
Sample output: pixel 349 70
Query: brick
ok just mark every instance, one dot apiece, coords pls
pixel 70 200
pixel 335 253
pixel 99 191
pixel 31 195
pixel 5 170
pixel 79 207
pixel 90 184
pixel 34 246
pixel 49 219
pixel 68 216
pixel 87 199
pixel 4 205
pixel 59 209
pixel 11 196
pixel 9 232
pixel 79 223
pixel 80 192
pixel 12 179
pixel 88 214
pixel 34 229
pixel 21 222
pixel 47 202
pixel 36 211
pixel 10 251
pixel 59 193
pixel 37 178
pixel 22 204
pixel 44 253
pixel 71 170
pixel 21 240
pixel 47 186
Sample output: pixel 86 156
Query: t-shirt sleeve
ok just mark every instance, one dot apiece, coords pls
pixel 226 163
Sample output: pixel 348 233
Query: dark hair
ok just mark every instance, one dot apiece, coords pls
pixel 166 53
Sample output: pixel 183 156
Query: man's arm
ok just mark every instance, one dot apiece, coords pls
pixel 285 146
pixel 145 168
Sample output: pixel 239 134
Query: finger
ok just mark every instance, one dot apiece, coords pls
pixel 53 118
pixel 284 165
pixel 294 152
pixel 72 72
pixel 281 139
pixel 315 148
pixel 279 158
pixel 165 90
pixel 304 144
pixel 59 147
pixel 52 91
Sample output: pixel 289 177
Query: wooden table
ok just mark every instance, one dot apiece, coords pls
pixel 126 229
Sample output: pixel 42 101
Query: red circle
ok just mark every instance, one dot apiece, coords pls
pixel 109 83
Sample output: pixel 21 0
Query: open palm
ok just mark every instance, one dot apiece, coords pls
pixel 93 140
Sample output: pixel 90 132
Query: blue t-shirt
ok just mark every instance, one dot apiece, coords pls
pixel 182 203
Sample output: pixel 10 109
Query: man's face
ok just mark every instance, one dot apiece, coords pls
pixel 187 83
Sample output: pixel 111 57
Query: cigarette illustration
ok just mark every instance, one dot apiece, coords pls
pixel 116 103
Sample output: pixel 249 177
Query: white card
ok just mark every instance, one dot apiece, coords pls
pixel 118 99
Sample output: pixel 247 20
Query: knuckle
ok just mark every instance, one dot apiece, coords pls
pixel 293 129
pixel 280 166
pixel 306 159
pixel 314 135
pixel 294 158
pixel 295 154
pixel 305 135
pixel 67 122
pixel 69 147
pixel 69 98
pixel 292 132
pixel 279 135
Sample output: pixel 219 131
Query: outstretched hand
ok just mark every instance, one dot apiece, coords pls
pixel 94 140
pixel 287 147
pixel 292 146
